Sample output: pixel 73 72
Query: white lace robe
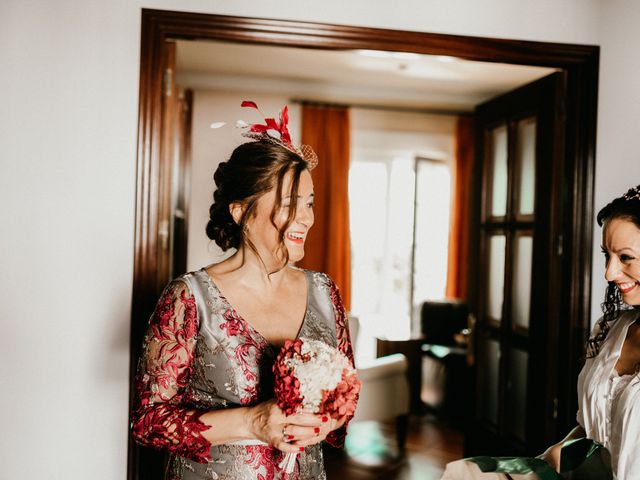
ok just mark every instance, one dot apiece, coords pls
pixel 609 404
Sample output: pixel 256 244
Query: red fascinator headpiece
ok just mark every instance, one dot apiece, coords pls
pixel 274 131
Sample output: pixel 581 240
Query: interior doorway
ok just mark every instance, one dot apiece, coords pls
pixel 573 213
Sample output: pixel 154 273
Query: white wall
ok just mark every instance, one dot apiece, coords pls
pixel 618 149
pixel 67 137
pixel 210 147
pixel 429 135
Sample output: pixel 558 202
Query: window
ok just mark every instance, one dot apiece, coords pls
pixel 400 207
pixel 433 208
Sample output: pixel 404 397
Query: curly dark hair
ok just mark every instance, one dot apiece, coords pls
pixel 626 207
pixel 253 169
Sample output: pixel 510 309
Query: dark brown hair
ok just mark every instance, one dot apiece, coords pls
pixel 626 207
pixel 254 169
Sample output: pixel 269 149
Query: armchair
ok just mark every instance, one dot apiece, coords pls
pixel 385 389
pixel 445 373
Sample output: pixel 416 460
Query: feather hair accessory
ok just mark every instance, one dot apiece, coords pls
pixel 274 131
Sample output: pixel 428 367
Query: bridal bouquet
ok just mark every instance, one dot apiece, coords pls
pixel 313 376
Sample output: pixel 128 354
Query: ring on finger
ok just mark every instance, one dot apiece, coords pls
pixel 284 433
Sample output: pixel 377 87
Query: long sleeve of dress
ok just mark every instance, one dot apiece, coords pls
pixel 336 438
pixel 161 419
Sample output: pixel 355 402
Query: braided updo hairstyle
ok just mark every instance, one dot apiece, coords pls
pixel 626 207
pixel 253 169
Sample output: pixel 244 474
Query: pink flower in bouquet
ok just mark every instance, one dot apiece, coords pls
pixel 343 399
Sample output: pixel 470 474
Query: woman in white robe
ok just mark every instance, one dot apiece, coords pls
pixel 609 383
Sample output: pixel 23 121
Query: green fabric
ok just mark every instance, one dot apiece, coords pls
pixel 584 459
pixel 516 465
pixel 580 459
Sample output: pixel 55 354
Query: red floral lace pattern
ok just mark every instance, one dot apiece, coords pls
pixel 336 438
pixel 264 461
pixel 247 353
pixel 160 419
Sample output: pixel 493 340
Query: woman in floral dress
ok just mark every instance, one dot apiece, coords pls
pixel 205 387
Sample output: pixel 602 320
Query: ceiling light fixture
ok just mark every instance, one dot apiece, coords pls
pixel 388 54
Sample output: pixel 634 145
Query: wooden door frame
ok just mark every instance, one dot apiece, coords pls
pixel 576 211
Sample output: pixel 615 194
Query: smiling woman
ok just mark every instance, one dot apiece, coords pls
pixel 204 391
pixel 609 386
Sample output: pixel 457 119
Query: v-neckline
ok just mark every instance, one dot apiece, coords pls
pixel 253 329
pixel 620 346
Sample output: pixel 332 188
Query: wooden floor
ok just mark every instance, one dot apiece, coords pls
pixel 371 453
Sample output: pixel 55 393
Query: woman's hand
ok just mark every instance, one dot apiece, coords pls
pixel 327 427
pixel 287 433
pixel 552 456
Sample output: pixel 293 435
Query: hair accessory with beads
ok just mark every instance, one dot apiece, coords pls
pixel 274 131
pixel 632 194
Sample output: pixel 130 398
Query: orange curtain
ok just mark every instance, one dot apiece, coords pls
pixel 459 232
pixel 328 249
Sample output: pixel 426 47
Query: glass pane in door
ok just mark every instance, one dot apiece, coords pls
pixel 498 162
pixel 489 372
pixel 495 284
pixel 521 288
pixel 517 393
pixel 526 164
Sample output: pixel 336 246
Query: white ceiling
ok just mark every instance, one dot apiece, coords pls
pixel 354 77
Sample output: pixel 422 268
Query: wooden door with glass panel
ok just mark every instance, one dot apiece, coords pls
pixel 517 139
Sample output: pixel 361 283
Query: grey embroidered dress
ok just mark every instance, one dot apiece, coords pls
pixel 199 355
